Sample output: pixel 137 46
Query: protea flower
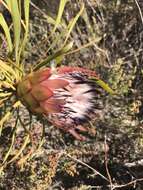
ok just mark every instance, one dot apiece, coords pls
pixel 65 96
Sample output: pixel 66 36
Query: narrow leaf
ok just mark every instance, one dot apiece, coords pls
pixel 8 70
pixel 12 143
pixel 26 141
pixel 16 17
pixel 26 13
pixel 6 31
pixel 73 22
pixel 8 114
pixel 8 4
pixel 104 85
pixel 60 13
pixel 57 56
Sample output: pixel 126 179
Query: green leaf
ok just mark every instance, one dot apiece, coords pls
pixel 50 20
pixel 3 120
pixel 26 13
pixel 8 4
pixel 58 55
pixel 60 13
pixel 8 114
pixel 6 31
pixel 16 17
pixel 8 71
pixel 19 152
pixel 73 22
pixel 11 146
pixel 3 94
pixel 104 85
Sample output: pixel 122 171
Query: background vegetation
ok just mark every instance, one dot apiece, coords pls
pixel 112 156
